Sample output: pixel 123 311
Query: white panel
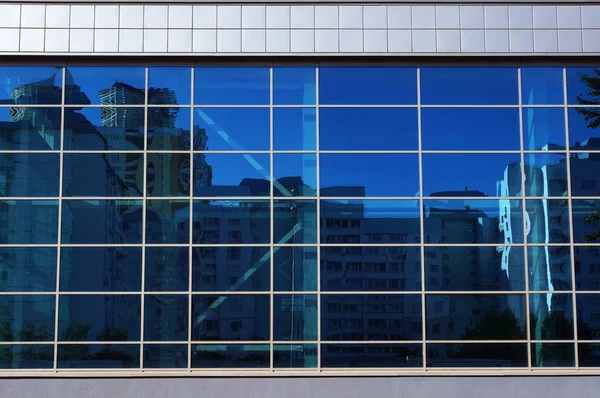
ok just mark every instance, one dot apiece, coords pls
pixel 326 17
pixel 545 41
pixel 351 17
pixel 303 41
pixel 205 17
pixel 326 41
pixel 521 41
pixel 375 41
pixel 229 41
pixel 423 17
pixel 106 40
pixel 496 17
pixel 278 40
pixel 496 41
pixel 423 41
pixel 32 16
pixel 107 16
pixel 11 17
pixel 278 17
pixel 569 16
pixel 302 17
pixel 229 16
pixel 180 17
pixel 253 41
pixel 399 41
pixel 57 16
pixel 155 16
pixel 81 40
pixel 569 41
pixel 155 41
pixel 520 17
pixel 472 41
pixel 180 40
pixel 32 40
pixel 471 17
pixel 591 40
pixel 131 40
pixel 131 17
pixel 351 41
pixel 253 17
pixel 57 40
pixel 544 17
pixel 375 17
pixel 399 17
pixel 447 17
pixel 448 41
pixel 204 41
pixel 9 39
pixel 590 18
pixel 82 16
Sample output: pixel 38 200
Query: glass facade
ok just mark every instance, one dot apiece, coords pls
pixel 299 216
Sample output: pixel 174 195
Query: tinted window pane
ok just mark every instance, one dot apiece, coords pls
pixel 30 128
pixel 370 173
pixel 27 356
pixel 368 129
pixel 231 175
pixel 369 221
pixel 167 269
pixel 584 133
pixel 372 355
pixel 549 267
pixel 27 318
pixel 253 216
pixel 542 86
pixel 31 84
pixel 228 318
pixel 472 268
pixel 589 354
pixel 295 317
pixel 469 86
pixel 295 269
pixel 371 268
pixel 118 85
pixel 104 128
pixel 102 174
pixel 474 355
pixel 294 129
pixel 165 356
pixel 545 175
pixel 294 86
pixel 168 174
pixel 167 221
pixel 295 174
pixel 29 221
pixel 586 221
pixel 99 356
pixel 551 316
pixel 587 268
pixel 475 317
pixel 552 355
pixel 580 85
pixel 29 174
pixel 370 317
pixel 231 268
pixel 469 174
pixel 233 129
pixel 367 85
pixel 470 128
pixel 543 129
pixel 231 356
pixel 295 221
pixel 28 269
pixel 169 129
pixel 232 85
pixel 585 168
pixel 114 221
pixel 100 269
pixel 114 317
pixel 473 221
pixel 166 317
pixel 548 221
pixel 588 322
pixel 169 85
pixel 295 355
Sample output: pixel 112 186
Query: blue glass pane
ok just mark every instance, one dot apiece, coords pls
pixel 370 221
pixel 27 356
pixel 238 269
pixel 470 129
pixel 368 129
pixel 169 129
pixel 228 318
pixel 583 129
pixel 106 85
pixel 549 267
pixel 28 222
pixel 552 355
pixel 106 128
pixel 254 220
pixel 371 268
pixel 469 86
pixel 231 356
pixel 231 175
pixel 102 174
pixel 97 317
pixel 542 85
pixel 100 269
pixel 294 85
pixel 166 317
pixel 28 269
pixel 471 174
pixel 114 221
pixel 586 221
pixel 295 317
pixel 98 356
pixel 548 221
pixel 473 221
pixel 372 355
pixel 295 355
pixel 584 172
pixel 580 85
pixel 351 317
pixel 545 174
pixel 27 318
pixel 232 129
pixel 474 268
pixel 587 268
pixel 295 269
pixel 31 85
pixel 367 85
pixel 30 128
pixel 167 269
pixel 588 327
pixel 588 354
pixel 169 85
pixel 295 129
pixel 295 174
pixel 477 355
pixel 165 356
pixel 543 129
pixel 29 174
pixel 294 221
pixel 232 85
pixel 168 174
pixel 551 316
pixel 475 316
pixel 167 221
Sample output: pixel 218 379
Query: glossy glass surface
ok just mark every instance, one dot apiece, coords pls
pixel 236 356
pixel 589 354
pixel 294 221
pixel 30 85
pixel 587 270
pixel 584 169
pixel 231 175
pixel 584 132
pixel 166 317
pixel 167 269
pixel 169 129
pixel 294 85
pixel 106 85
pixel 167 174
pixel 371 355
pixel 27 317
pixel 547 221
pixel 295 356
pixel 27 356
pixel 28 269
pixel 295 268
pixel 167 221
pixel 546 174
pixel 98 356
pixel 33 128
pixel 580 81
pixel 551 316
pixel 29 222
pixel 232 129
pixel 544 355
pixel 588 325
pixel 542 85
pixel 165 356
pixel 295 174
pixel 549 267
pixel 543 129
pixel 169 85
pixel 231 85
pixel 294 129
pixel 29 174
pixel 477 355
pixel 586 220
pixel 295 317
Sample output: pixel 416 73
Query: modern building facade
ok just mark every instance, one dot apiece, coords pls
pixel 277 192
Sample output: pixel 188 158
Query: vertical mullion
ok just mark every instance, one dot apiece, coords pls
pixel 421 221
pixel 191 222
pixel 318 188
pixel 144 206
pixel 271 222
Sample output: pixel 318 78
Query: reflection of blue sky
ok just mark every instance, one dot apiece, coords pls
pixel 542 85
pixel 12 77
pixel 231 169
pixel 542 126
pixel 232 85
pixel 294 129
pixel 245 128
pixel 575 86
pixel 93 79
pixel 177 79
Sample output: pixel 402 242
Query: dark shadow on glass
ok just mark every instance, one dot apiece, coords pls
pixel 552 355
pixel 236 356
pixel 165 356
pixel 295 356
pixel 98 356
pixel 29 174
pixel 295 317
pixel 167 221
pixel 372 355
pixel 27 356
pixel 167 269
pixel 28 269
pixel 551 316
pixel 166 317
pixel 477 355
pixel 29 222
pixel 27 317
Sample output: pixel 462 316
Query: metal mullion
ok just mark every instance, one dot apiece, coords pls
pixel 271 225
pixel 191 222
pixel 318 188
pixel 144 210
